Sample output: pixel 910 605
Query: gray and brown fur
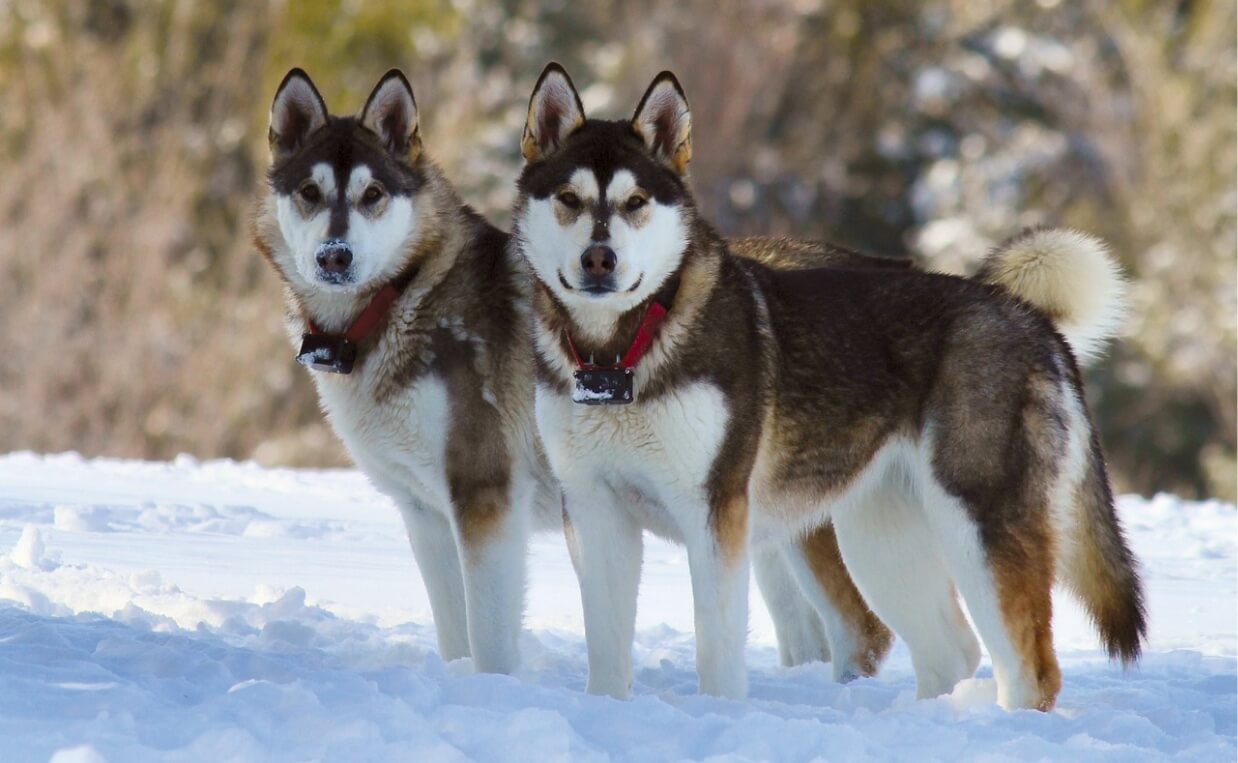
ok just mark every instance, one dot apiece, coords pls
pixel 457 336
pixel 965 394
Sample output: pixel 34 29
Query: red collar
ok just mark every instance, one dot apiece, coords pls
pixel 654 316
pixel 369 318
pixel 640 345
pixel 337 353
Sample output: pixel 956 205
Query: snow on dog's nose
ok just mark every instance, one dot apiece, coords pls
pixel 334 261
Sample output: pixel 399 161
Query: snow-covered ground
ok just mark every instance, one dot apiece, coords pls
pixel 220 611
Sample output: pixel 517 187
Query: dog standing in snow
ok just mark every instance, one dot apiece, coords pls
pixel 938 422
pixel 414 319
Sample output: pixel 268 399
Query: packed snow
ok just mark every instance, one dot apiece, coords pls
pixel 221 611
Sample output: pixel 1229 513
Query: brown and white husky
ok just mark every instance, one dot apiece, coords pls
pixel 413 317
pixel 938 422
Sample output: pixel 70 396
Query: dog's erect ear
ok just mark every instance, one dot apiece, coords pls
pixel 662 118
pixel 391 113
pixel 297 111
pixel 555 111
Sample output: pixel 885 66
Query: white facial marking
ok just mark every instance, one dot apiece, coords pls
pixel 650 252
pixel 586 185
pixel 358 181
pixel 553 248
pixel 325 178
pixel 621 184
pixel 646 254
pixel 378 243
pixel 302 234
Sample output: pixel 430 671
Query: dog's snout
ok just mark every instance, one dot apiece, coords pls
pixel 598 261
pixel 334 257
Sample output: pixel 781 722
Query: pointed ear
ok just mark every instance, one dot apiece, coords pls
pixel 391 113
pixel 555 111
pixel 662 118
pixel 297 111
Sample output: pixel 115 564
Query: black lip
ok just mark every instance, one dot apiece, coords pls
pixel 598 290
pixel 335 279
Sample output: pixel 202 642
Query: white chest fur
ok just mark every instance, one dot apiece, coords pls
pixel 401 443
pixel 656 456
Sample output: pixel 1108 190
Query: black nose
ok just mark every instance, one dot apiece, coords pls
pixel 598 261
pixel 334 257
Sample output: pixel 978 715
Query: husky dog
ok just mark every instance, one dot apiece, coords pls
pixel 938 422
pixel 397 284
pixel 415 318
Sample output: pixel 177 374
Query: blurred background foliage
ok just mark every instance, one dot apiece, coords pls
pixel 136 320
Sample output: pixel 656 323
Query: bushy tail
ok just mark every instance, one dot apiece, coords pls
pixel 1098 566
pixel 1070 276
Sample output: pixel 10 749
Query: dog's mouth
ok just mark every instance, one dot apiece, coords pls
pixel 335 278
pixel 600 288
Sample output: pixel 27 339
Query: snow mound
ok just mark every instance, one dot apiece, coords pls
pixel 29 550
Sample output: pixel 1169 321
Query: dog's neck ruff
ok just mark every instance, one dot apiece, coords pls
pixel 601 384
pixel 337 353
pixel 648 329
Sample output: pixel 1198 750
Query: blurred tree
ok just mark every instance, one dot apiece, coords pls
pixel 139 322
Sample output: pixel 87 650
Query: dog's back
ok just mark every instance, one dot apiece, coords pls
pixel 964 396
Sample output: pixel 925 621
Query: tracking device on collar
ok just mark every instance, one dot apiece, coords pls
pixel 332 353
pixel 337 353
pixel 603 386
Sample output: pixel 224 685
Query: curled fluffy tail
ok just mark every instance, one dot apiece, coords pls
pixel 1070 276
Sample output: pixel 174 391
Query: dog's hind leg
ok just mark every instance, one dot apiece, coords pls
pixel 889 548
pixel 1005 576
pixel 858 640
pixel 987 474
pixel 493 536
pixel 434 548
pixel 801 635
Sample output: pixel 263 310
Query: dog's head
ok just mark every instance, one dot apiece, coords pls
pixel 344 190
pixel 604 213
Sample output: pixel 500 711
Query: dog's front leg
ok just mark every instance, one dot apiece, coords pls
pixel 493 537
pixel 607 550
pixel 434 549
pixel 716 534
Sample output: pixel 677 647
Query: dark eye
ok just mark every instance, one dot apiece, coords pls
pixel 569 200
pixel 635 202
pixel 371 195
pixel 310 193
